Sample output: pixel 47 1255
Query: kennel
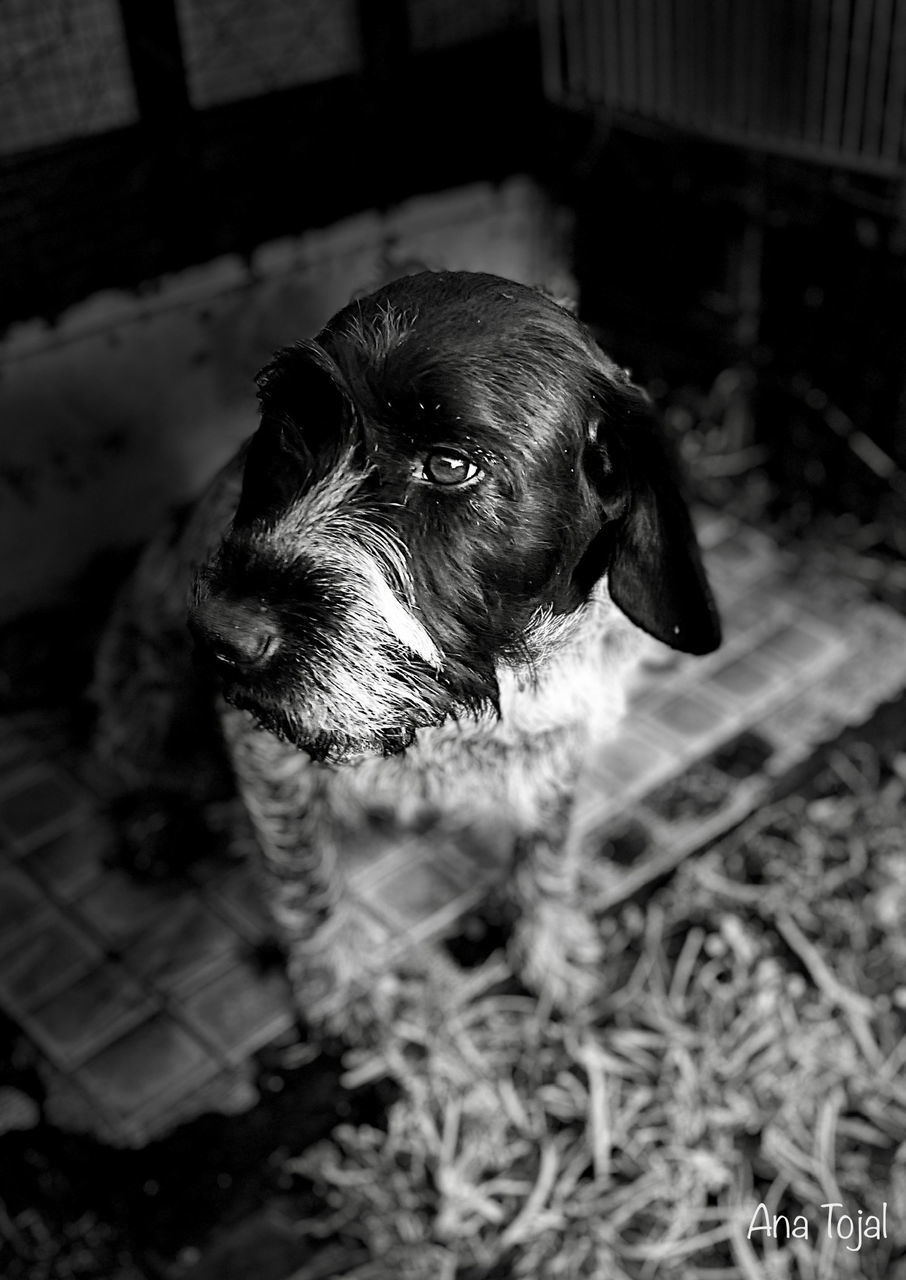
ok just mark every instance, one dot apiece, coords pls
pixel 780 125
pixel 815 80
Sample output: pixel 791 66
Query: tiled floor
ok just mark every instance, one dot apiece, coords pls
pixel 145 1001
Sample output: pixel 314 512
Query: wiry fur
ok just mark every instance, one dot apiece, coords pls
pixel 386 644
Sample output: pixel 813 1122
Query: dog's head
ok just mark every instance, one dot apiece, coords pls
pixel 449 461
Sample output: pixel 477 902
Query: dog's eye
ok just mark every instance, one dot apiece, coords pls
pixel 447 467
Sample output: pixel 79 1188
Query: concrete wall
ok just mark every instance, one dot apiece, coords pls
pixel 126 405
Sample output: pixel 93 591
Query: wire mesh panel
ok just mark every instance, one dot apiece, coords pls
pixel 235 50
pixel 64 72
pixel 820 79
pixel 437 23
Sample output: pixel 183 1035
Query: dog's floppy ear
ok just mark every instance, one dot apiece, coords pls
pixel 305 416
pixel 647 545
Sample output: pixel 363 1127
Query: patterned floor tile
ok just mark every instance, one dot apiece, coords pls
pixel 143 998
pixel 46 960
pixel 89 1014
pixel 157 1060
pixel 23 907
pixel 122 909
pixel 241 1010
pixel 183 947
pixel 69 862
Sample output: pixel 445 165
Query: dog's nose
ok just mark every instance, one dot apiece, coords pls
pixel 242 633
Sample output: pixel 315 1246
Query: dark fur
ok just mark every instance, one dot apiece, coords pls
pixel 576 483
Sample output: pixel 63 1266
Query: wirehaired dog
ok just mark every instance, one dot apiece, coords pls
pixel 419 590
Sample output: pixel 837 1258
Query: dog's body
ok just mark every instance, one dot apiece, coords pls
pixel 400 587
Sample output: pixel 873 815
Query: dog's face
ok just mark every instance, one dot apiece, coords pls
pixel 450 462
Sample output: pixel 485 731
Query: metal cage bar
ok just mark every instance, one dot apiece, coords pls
pixel 821 80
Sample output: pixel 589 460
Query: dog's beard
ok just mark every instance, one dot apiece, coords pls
pixel 352 697
pixel 364 660
pixel 361 673
pixel 374 702
pixel 351 693
pixel 325 736
pixel 325 745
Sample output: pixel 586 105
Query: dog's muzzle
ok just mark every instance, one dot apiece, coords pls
pixel 236 633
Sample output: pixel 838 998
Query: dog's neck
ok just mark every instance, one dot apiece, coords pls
pixel 579 685
pixel 511 769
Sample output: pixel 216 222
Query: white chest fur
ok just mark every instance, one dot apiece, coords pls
pixel 507 773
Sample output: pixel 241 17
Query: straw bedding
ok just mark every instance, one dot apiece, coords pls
pixel 746 1048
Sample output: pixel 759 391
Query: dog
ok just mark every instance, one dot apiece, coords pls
pixel 415 596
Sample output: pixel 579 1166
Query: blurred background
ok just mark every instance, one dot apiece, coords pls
pixel 185 186
pixel 719 186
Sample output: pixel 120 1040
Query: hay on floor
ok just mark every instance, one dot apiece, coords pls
pixel 747 1048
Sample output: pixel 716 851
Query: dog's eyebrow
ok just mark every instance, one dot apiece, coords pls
pixel 425 423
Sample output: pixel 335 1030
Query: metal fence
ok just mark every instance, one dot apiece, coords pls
pixel 136 139
pixel 64 72
pixel 438 23
pixel 65 64
pixel 820 80
pixel 235 50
